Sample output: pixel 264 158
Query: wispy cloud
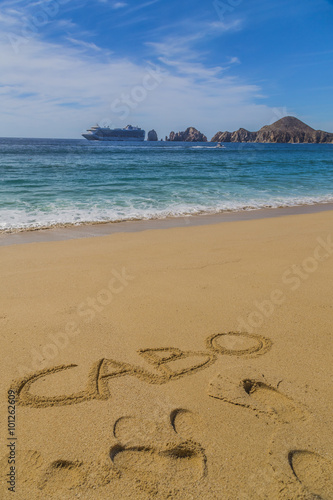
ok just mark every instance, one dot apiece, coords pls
pixel 187 45
pixel 143 5
pixel 132 20
pixel 234 60
pixel 60 106
pixel 114 5
pixel 222 27
pixel 84 44
pixel 59 89
pixel 122 5
pixel 119 5
pixel 177 46
pixel 9 18
pixel 199 71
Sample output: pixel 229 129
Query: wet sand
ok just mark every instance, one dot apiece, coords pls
pixel 70 231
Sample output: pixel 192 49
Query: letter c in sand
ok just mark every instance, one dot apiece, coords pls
pixel 92 390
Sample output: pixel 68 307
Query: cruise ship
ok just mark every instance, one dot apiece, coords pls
pixel 128 133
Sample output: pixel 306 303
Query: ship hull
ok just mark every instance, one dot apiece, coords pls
pixel 91 137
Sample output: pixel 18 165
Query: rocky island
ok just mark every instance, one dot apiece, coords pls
pixel 287 130
pixel 152 136
pixel 191 134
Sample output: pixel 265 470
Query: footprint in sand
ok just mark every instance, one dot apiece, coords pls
pixel 158 456
pixel 313 471
pixel 73 475
pixel 251 390
pixel 301 458
pixel 63 472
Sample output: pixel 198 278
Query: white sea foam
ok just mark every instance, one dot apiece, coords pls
pixel 16 220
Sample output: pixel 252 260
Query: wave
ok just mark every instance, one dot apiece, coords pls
pixel 208 147
pixel 19 220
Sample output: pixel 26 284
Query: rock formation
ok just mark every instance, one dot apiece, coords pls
pixel 191 134
pixel 286 130
pixel 152 136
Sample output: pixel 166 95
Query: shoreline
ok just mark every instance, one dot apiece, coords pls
pixel 96 229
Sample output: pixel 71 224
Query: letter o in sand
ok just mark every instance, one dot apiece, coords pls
pixel 261 344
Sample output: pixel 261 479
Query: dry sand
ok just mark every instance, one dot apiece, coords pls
pixel 129 384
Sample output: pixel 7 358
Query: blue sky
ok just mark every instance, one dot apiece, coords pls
pixel 216 65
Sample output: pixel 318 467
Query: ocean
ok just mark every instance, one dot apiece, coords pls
pixel 49 182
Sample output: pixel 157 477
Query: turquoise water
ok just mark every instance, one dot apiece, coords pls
pixel 46 182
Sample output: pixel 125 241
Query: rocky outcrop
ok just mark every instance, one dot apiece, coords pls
pixel 191 134
pixel 222 137
pixel 152 136
pixel 286 130
pixel 243 135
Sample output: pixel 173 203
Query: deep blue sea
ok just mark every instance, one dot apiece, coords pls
pixel 44 182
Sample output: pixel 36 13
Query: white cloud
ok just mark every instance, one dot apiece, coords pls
pixel 185 46
pixel 56 90
pixel 119 5
pixel 234 60
pixel 176 46
pixel 143 5
pixel 122 5
pixel 234 25
pixel 9 19
pixel 191 68
pixel 114 5
pixel 84 44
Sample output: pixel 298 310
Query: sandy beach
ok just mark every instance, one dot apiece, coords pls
pixel 187 362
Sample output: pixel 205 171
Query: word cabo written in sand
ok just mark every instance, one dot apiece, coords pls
pixel 105 369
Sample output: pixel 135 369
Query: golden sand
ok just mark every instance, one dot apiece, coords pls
pixel 187 363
